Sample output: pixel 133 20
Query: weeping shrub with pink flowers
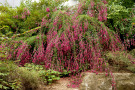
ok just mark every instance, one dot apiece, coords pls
pixel 77 44
pixel 75 41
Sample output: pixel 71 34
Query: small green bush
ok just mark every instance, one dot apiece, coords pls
pixel 17 78
pixel 30 79
pixel 47 76
pixel 6 69
pixel 121 59
pixel 117 58
pixel 65 73
pixel 131 68
pixel 132 52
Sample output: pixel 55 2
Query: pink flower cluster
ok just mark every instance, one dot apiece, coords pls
pixel 15 16
pixel 47 9
pixel 101 9
pixel 25 13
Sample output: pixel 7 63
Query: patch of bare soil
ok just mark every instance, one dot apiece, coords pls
pixel 61 84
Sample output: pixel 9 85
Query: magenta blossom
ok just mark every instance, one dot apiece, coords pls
pixel 47 9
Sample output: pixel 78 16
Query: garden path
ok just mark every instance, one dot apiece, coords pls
pixel 59 85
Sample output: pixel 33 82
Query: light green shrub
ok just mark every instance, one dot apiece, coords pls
pixel 121 60
pixel 18 78
pixel 47 76
pixel 132 52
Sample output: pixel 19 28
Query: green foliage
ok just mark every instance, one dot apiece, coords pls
pixel 33 41
pixel 31 66
pixel 4 21
pixel 117 12
pixel 14 20
pixel 3 52
pixel 115 15
pixel 3 9
pixel 120 20
pixel 125 3
pixel 49 76
pixel 65 73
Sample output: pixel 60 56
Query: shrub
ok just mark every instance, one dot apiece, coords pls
pixel 132 52
pixel 131 68
pixel 6 69
pixel 29 79
pixel 47 76
pixel 73 41
pixel 14 77
pixel 121 59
